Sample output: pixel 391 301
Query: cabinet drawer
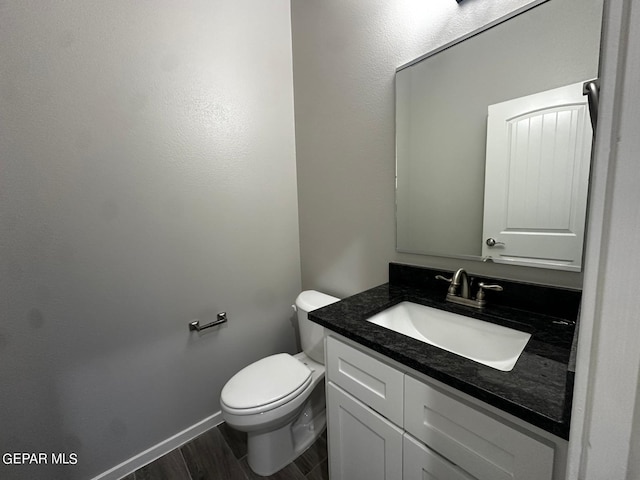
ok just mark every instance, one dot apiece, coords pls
pixel 420 462
pixel 471 439
pixel 374 383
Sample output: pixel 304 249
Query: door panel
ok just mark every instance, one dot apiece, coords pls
pixel 362 444
pixel 536 179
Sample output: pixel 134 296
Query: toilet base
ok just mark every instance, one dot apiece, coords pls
pixel 270 451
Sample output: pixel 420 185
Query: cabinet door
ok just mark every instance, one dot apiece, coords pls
pixel 362 444
pixel 420 463
pixel 473 440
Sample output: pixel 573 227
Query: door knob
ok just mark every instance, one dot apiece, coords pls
pixel 491 242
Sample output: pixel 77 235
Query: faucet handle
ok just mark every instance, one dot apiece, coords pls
pixel 482 287
pixel 452 287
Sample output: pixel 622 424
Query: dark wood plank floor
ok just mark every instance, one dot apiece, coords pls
pixel 221 454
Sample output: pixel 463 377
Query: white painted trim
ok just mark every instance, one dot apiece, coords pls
pixel 599 211
pixel 162 448
pixel 610 387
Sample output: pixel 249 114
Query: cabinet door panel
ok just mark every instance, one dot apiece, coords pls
pixel 476 442
pixel 374 383
pixel 362 444
pixel 422 463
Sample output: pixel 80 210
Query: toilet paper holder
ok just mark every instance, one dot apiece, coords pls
pixel 221 318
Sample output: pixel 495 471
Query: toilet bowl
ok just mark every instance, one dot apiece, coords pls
pixel 280 400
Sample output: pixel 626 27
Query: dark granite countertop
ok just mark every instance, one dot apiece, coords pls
pixel 539 387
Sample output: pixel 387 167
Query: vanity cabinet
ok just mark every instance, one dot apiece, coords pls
pixel 385 423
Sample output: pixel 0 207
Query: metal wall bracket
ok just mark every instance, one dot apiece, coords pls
pixel 195 325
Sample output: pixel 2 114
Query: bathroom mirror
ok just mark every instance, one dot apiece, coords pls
pixel 442 103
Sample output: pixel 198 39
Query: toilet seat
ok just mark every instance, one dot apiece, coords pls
pixel 265 385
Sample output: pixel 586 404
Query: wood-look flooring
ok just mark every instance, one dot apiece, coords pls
pixel 221 454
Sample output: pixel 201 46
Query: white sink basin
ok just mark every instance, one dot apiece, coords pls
pixel 483 342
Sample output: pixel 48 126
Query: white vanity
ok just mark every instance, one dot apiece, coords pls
pixel 409 397
pixel 387 421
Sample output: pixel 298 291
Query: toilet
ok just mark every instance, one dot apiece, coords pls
pixel 280 400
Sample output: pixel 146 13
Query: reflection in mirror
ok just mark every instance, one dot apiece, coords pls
pixel 442 103
pixel 536 178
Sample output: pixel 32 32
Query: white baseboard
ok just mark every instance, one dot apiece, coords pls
pixel 162 448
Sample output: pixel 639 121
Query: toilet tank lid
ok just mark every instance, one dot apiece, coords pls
pixel 310 300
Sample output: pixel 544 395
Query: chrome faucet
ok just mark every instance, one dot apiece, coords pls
pixel 460 280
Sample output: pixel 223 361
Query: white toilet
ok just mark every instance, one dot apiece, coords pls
pixel 279 400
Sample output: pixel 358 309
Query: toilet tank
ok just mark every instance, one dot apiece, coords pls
pixel 312 334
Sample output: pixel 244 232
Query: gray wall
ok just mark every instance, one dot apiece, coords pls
pixel 345 57
pixel 147 178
